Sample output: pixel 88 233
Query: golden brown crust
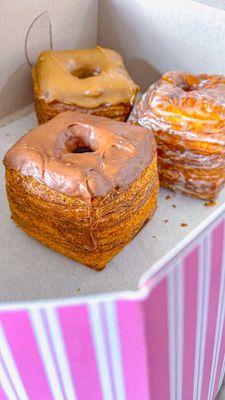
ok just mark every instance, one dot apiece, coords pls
pixel 91 233
pixel 194 172
pixel 187 114
pixel 46 111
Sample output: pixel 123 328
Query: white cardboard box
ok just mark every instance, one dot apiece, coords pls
pixel 153 37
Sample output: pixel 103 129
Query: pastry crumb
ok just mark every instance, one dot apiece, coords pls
pixel 210 203
pixel 166 220
pixel 174 206
pixel 168 197
pixel 183 224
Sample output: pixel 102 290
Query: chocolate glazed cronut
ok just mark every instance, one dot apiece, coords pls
pixel 187 114
pixel 83 185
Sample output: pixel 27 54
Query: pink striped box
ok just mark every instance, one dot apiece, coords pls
pixel 165 341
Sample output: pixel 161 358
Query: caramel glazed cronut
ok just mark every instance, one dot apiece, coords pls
pixel 91 81
pixel 89 232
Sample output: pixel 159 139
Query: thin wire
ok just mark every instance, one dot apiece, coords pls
pixel 28 32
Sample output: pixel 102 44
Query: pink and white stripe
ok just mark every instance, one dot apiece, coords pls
pixel 166 341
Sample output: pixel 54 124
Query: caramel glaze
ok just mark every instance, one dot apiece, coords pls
pixel 87 78
pixel 119 154
pixel 187 114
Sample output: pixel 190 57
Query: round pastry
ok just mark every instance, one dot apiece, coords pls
pixel 187 114
pixel 83 185
pixel 89 81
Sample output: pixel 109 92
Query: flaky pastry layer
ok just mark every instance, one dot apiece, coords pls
pixel 89 232
pixel 46 111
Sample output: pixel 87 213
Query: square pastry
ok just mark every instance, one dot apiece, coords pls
pixel 83 185
pixel 93 81
pixel 187 114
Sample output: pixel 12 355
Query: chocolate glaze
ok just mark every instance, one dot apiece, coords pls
pixel 120 152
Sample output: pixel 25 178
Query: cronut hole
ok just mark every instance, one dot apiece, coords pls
pixel 82 149
pixel 189 85
pixel 187 88
pixel 86 72
pixel 79 147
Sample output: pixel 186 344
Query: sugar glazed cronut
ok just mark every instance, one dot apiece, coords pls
pixel 83 185
pixel 91 81
pixel 187 115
